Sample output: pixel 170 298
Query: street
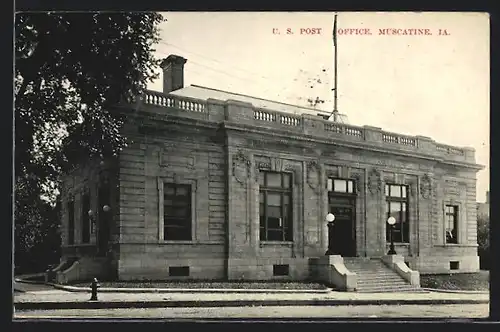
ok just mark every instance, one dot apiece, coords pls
pixel 365 311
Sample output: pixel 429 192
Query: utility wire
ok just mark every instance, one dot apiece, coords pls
pixel 241 78
pixel 259 76
pixel 217 70
pixel 215 60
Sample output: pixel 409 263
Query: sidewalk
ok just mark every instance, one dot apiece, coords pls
pixel 60 299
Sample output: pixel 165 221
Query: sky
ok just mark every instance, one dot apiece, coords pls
pixel 435 85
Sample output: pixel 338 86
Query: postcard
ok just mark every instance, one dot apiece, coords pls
pixel 306 165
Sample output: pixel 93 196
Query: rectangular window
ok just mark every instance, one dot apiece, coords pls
pixel 71 222
pixel 275 206
pixel 397 207
pixel 341 186
pixel 451 222
pixel 177 212
pixel 85 218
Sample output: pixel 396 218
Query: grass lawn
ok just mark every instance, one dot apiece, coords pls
pixel 459 281
pixel 208 284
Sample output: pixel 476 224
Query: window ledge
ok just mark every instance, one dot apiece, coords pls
pixel 185 242
pixel 79 245
pixel 277 243
pixel 451 245
pixel 398 244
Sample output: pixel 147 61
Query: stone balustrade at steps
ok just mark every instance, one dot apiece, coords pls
pixel 374 276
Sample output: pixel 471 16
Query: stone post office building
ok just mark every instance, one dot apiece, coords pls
pixel 217 185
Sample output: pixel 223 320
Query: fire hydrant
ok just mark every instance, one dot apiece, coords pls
pixel 93 288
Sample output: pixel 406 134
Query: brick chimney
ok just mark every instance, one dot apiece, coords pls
pixel 173 73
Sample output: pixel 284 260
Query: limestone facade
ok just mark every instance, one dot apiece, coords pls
pixel 218 150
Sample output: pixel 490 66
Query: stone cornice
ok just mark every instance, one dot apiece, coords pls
pixel 153 119
pixel 360 145
pixel 156 119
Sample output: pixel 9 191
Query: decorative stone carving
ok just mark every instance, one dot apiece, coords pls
pixel 313 175
pixel 264 165
pixel 261 165
pixel 358 178
pixel 374 181
pixel 276 164
pixel 331 173
pixel 413 188
pixel 389 177
pixel 241 167
pixel 296 172
pixel 176 177
pixel 425 186
pixel 344 171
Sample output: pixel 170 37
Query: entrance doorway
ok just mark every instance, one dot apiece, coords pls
pixel 342 234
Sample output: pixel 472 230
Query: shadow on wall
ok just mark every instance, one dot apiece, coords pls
pixel 483 241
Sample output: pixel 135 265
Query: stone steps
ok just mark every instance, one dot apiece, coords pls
pixel 364 281
pixel 374 276
pixel 391 290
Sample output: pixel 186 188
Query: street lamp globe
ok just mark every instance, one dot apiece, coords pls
pixel 90 213
pixel 391 220
pixel 106 208
pixel 330 217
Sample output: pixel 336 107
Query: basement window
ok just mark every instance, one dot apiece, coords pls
pixel 454 265
pixel 178 271
pixel 281 270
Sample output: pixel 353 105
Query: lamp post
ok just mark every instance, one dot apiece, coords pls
pixel 106 208
pixel 92 220
pixel 329 219
pixel 391 221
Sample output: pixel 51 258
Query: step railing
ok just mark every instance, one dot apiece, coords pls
pixel 397 264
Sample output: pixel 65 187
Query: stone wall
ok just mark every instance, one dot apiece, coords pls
pixel 171 154
pixel 219 148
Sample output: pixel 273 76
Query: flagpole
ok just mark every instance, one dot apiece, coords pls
pixel 335 110
pixel 335 86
